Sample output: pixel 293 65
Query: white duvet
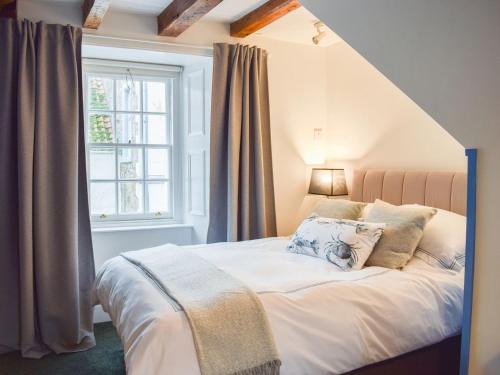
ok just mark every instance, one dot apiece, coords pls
pixel 323 320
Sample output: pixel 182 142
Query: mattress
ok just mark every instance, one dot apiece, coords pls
pixel 323 320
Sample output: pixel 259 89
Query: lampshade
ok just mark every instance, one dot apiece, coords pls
pixel 327 181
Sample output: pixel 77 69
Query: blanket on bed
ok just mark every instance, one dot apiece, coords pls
pixel 230 329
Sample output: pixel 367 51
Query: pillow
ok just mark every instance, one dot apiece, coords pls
pixel 443 242
pixel 346 243
pixel 339 209
pixel 404 229
pixel 365 211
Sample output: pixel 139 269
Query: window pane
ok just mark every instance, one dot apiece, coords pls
pixel 154 96
pixel 102 198
pixel 130 163
pixel 155 127
pixel 130 197
pixel 128 95
pixel 100 92
pixel 100 128
pixel 128 128
pixel 158 196
pixel 102 164
pixel 158 163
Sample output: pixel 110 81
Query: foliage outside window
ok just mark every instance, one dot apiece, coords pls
pixel 101 128
pixel 129 145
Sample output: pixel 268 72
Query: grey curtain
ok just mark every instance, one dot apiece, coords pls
pixel 241 174
pixel 46 259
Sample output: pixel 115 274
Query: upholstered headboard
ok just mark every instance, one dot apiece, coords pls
pixel 445 190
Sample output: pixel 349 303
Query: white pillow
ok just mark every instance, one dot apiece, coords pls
pixel 443 242
pixel 346 243
pixel 366 211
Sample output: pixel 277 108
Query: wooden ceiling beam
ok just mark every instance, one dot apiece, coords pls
pixel 262 16
pixel 181 14
pixel 93 12
pixel 8 8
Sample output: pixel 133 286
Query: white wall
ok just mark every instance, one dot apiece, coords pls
pixel 445 55
pixel 366 120
pixel 297 92
pixel 298 105
pixel 372 124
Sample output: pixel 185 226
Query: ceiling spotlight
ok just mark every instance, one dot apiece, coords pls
pixel 320 33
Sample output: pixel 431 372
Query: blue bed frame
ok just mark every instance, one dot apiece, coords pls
pixel 470 245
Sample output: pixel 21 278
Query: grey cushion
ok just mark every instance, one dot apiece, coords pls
pixel 404 229
pixel 339 209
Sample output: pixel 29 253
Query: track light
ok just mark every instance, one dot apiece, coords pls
pixel 320 33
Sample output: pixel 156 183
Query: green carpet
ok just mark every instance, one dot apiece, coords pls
pixel 106 358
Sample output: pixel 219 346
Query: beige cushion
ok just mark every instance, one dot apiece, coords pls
pixel 404 229
pixel 339 209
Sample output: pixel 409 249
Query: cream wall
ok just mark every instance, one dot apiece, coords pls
pixel 366 120
pixel 298 105
pixel 297 91
pixel 370 120
pixel 371 123
pixel 446 56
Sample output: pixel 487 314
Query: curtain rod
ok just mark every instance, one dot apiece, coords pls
pixel 90 38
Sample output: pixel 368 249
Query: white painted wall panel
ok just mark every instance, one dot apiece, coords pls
pixel 197 183
pixel 197 98
pixel 196 102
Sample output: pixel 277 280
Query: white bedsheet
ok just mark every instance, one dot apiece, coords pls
pixel 323 320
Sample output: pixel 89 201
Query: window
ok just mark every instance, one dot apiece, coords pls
pixel 131 150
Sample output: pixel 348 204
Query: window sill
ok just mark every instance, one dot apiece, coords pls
pixel 128 228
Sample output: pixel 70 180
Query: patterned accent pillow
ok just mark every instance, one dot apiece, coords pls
pixel 346 243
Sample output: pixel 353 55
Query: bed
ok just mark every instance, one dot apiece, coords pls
pixel 323 321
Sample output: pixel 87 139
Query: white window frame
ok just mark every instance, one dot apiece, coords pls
pixel 141 71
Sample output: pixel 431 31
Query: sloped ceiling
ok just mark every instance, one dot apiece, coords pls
pixel 443 54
